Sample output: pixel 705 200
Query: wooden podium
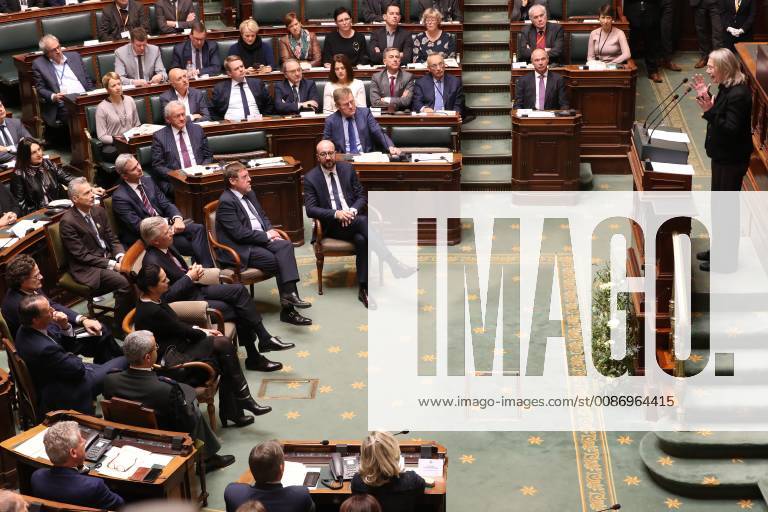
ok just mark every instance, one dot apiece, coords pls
pixel 545 152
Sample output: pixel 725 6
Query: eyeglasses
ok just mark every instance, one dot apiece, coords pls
pixel 324 154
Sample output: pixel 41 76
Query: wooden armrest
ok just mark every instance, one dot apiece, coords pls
pixel 217 318
pixel 231 251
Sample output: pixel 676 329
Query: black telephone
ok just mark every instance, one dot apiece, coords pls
pixel 97 449
pixel 343 468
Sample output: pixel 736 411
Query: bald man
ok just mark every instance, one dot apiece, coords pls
pixel 195 101
pixel 542 89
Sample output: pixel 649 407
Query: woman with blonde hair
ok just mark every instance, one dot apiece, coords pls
pixel 115 115
pixel 257 55
pixel 433 39
pixel 299 43
pixel 341 75
pixel 382 477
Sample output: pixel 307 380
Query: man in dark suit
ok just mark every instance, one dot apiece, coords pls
pixel 374 11
pixel 62 380
pixel 708 20
pixel 65 447
pixel 11 130
pixel 174 15
pixel 56 74
pixel 242 224
pixel 392 87
pixel 24 279
pixel 644 23
pixel 295 93
pixel 267 464
pixel 137 197
pixel 448 8
pixel 175 404
pixel 353 129
pixel 391 35
pixel 233 300
pixel 119 18
pixel 528 89
pixel 201 53
pixel 233 101
pixel 334 196
pixel 195 101
pixel 438 91
pixel 93 251
pixel 541 34
pixel 177 146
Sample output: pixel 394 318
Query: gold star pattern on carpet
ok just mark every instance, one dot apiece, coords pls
pixel 292 415
pixel 478 330
pixel 293 385
pixel 363 354
pixel 737 461
pixel 362 327
pixel 472 297
pixel 325 389
pixel 704 433
pixel 673 503
pixel 696 358
pixel 710 480
pixel 428 358
pixel 745 504
pixel 428 308
pixel 535 440
pixel 334 349
pixel 624 440
pixel 358 385
pixel 466 248
pixel 528 490
pixel 302 354
pixel 632 480
pixel 467 459
pixel 287 368
pixel 348 415
pixel 314 327
pixel 421 291
pixel 666 461
pixel 273 291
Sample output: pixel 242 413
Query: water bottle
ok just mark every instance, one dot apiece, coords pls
pixel 190 69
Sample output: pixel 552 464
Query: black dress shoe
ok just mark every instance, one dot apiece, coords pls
pixel 250 405
pixel 263 365
pixel 703 256
pixel 704 266
pixel 291 316
pixel 401 270
pixel 218 461
pixel 367 301
pixel 293 299
pixel 242 421
pixel 274 344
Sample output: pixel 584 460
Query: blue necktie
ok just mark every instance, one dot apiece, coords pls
pixel 352 136
pixel 439 95
pixel 246 110
pixel 335 190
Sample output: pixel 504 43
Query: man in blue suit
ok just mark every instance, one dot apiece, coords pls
pixel 242 224
pixel 195 101
pixel 177 146
pixel 233 101
pixel 295 93
pixel 61 378
pixel 438 91
pixel 24 279
pixel 334 196
pixel 65 447
pixel 202 54
pixel 55 75
pixel 137 198
pixel 353 129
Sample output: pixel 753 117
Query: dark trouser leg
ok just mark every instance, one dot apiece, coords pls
pixel 277 258
pixel 357 233
pixel 102 348
pixel 667 28
pixel 703 29
pixel 651 37
pixel 236 305
pixel 204 432
pixel 716 21
pixel 125 299
pixel 193 241
pixel 726 231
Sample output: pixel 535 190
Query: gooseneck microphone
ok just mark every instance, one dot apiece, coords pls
pixel 662 102
pixel 615 506
pixel 671 107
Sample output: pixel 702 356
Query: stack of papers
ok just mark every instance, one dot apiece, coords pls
pixel 23 226
pixel 684 169
pixel 262 162
pixel 371 157
pixel 144 129
pixel 295 473
pixel 7 242
pixel 33 447
pixel 430 468
pixel 670 136
pixel 94 92
pixel 200 170
pixel 123 462
pixel 203 124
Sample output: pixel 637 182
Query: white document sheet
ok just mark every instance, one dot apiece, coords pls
pixel 33 447
pixel 673 168
pixel 671 136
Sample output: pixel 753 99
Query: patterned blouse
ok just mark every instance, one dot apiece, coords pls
pixel 423 47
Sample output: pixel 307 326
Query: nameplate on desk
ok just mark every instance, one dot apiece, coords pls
pixel 144 129
pixel 519 65
pixel 596 65
pixel 684 169
pixel 430 468
pixel 203 124
pixel 416 65
pixel 536 114
pixel 307 113
pixel 592 20
pixel 266 162
pixel 451 62
pixel 91 42
pixel 327 23
pixel 100 90
pixel 200 170
pixel 373 157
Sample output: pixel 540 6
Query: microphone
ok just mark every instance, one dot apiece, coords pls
pixel 402 432
pixel 430 159
pixel 615 506
pixel 671 106
pixel 646 123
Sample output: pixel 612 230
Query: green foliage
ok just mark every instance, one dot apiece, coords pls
pixel 601 328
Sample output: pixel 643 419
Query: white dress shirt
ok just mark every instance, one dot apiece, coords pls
pixel 327 175
pixel 185 101
pixel 91 222
pixel 190 149
pixel 66 78
pixel 235 112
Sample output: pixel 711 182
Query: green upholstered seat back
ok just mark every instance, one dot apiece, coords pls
pixel 556 10
pixel 422 136
pixel 224 46
pixel 579 41
pixel 106 62
pixel 166 54
pixel 583 7
pixel 153 26
pixel 323 9
pixel 15 38
pixel 271 12
pixel 158 117
pixel 144 156
pixel 90 118
pixel 70 29
pixel 237 142
pixel 57 248
pixel 141 106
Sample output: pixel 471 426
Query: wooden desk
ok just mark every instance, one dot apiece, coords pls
pixel 7 429
pixel 278 189
pixel 569 27
pixel 78 123
pixel 177 481
pixel 545 152
pixel 318 454
pixel 606 101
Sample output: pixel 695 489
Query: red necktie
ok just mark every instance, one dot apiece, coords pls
pixel 392 87
pixel 541 40
pixel 184 151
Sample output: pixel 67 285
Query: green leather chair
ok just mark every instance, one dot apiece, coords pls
pixel 158 116
pixel 583 8
pixel 323 9
pixel 239 146
pixel 556 10
pixel 578 44
pixel 144 156
pixel 415 13
pixel 367 84
pixel 320 40
pixel 433 138
pixel 166 54
pixel 15 38
pixel 70 29
pixel 154 28
pixel 106 62
pixel 271 12
pixel 272 42
pixel 141 106
pixel 224 46
pixel 90 67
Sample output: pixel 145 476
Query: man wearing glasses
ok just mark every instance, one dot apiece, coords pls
pixel 345 41
pixel 354 130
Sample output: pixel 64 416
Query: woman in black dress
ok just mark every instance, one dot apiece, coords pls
pixel 181 343
pixel 728 144
pixel 381 476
